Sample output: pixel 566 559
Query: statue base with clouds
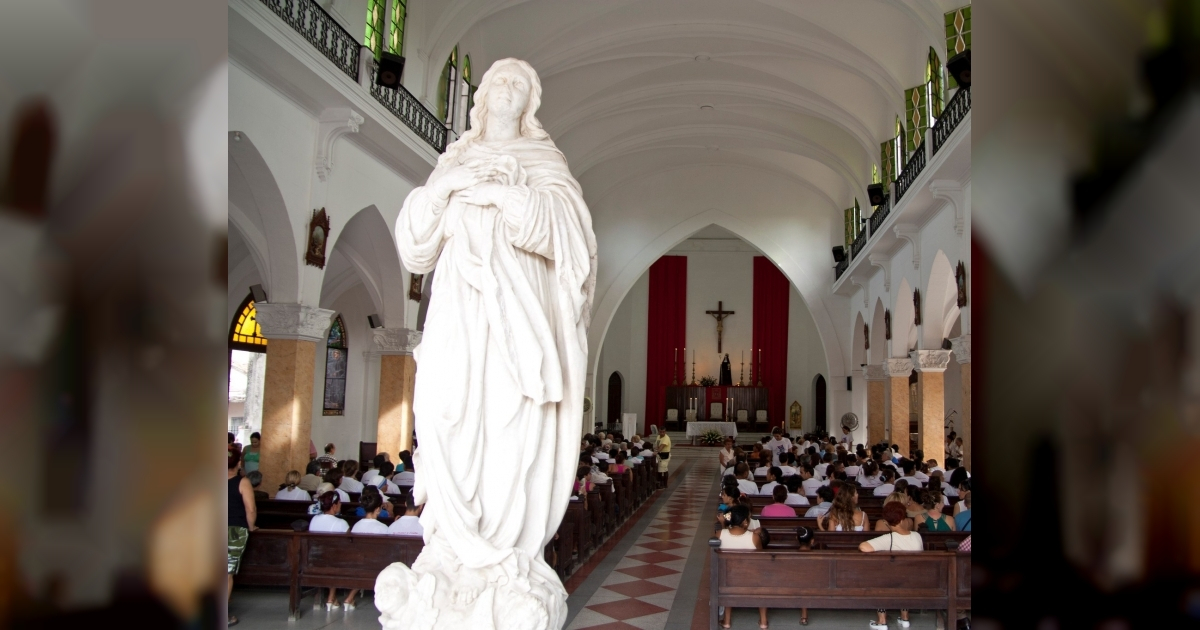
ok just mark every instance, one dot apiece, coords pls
pixel 499 394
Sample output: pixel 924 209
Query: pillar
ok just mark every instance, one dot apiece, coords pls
pixel 898 371
pixel 293 332
pixel 876 401
pixel 397 379
pixel 962 354
pixel 931 401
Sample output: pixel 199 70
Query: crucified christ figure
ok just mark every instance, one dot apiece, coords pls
pixel 720 314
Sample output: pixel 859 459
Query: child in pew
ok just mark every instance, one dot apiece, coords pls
pixel 370 510
pixel 787 465
pixel 334 478
pixel 744 483
pixel 794 497
pixel 583 485
pixel 384 503
pixel 290 490
pixel 843 514
pixel 887 476
pixel 410 523
pixel 825 494
pixel 898 538
pixel 779 507
pixel 809 481
pixel 737 535
pixel 869 475
pixel 774 474
pixel 804 536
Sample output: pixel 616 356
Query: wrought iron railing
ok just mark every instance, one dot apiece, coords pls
pixel 411 112
pixel 955 111
pixel 880 215
pixel 915 165
pixel 857 245
pixel 841 268
pixel 321 30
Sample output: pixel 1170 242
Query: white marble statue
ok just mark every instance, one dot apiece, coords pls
pixel 499 387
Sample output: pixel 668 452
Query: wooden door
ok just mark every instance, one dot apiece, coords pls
pixel 615 396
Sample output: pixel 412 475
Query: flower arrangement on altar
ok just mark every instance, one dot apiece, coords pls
pixel 712 437
pixel 708 381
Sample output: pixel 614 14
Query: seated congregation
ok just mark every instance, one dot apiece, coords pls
pixel 343 521
pixel 817 507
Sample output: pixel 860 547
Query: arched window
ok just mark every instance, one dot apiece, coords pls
pixel 469 90
pixel 446 87
pixel 875 174
pixel 899 152
pixel 958 36
pixel 374 36
pixel 933 86
pixel 245 333
pixel 396 38
pixel 335 369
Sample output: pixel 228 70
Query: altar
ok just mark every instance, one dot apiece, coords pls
pixel 698 428
pixel 729 400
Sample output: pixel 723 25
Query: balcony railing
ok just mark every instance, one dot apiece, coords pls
pixel 409 110
pixel 321 30
pixel 955 111
pixel 841 268
pixel 915 165
pixel 857 245
pixel 880 215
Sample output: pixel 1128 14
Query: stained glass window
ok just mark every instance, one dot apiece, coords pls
pixel 923 103
pixel 875 174
pixel 470 89
pixel 857 218
pixel 374 36
pixel 849 212
pixel 335 369
pixel 245 333
pixel 933 85
pixel 396 38
pixel 446 87
pixel 958 36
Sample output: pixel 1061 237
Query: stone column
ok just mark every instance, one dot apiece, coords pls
pixel 962 354
pixel 293 332
pixel 397 378
pixel 931 401
pixel 897 372
pixel 876 400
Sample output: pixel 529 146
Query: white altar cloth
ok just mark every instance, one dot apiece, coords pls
pixel 698 428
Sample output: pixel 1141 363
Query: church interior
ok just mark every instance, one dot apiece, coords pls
pixel 777 275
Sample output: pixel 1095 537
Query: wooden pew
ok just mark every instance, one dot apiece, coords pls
pixel 782 532
pixel 838 580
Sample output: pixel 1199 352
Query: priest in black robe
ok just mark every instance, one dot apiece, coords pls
pixel 726 373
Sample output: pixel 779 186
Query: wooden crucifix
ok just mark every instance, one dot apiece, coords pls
pixel 720 314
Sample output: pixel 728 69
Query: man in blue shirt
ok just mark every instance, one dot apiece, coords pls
pixel 962 522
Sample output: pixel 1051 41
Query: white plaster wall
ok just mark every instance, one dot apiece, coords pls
pixel 625 352
pixel 806 359
pixel 348 430
pixel 727 277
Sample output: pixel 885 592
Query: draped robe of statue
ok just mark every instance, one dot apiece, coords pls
pixel 499 392
pixel 726 379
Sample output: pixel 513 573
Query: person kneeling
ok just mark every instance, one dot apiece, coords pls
pixel 898 538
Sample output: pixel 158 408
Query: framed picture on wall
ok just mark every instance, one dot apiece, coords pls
pixel 415 284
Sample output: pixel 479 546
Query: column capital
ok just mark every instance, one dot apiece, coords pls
pixel 930 360
pixel 876 373
pixel 962 348
pixel 896 368
pixel 293 321
pixel 400 341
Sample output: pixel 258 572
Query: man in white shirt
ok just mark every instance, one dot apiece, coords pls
pixel 808 481
pixel 773 477
pixel 794 498
pixel 761 471
pixel 410 523
pixel 376 463
pixel 745 484
pixel 349 483
pixel 821 468
pixel 847 439
pixel 785 466
pixel 932 465
pixel 909 467
pixel 777 445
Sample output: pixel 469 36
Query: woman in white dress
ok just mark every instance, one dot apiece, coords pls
pixel 725 455
pixel 737 536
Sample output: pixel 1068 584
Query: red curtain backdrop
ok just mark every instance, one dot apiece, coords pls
pixel 771 293
pixel 666 331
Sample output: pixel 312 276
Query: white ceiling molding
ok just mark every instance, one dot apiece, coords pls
pixel 952 193
pixel 912 234
pixel 334 123
pixel 862 286
pixel 884 262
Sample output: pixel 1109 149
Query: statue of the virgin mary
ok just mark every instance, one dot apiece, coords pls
pixel 500 368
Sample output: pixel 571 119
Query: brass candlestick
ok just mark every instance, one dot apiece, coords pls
pixel 760 367
pixel 742 373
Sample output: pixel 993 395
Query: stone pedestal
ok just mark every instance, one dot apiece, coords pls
pixel 962 354
pixel 293 332
pixel 397 377
pixel 931 401
pixel 898 371
pixel 876 402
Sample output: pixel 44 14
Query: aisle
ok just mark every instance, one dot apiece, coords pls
pixel 651 578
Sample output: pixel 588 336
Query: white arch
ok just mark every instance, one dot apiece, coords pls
pixel 902 320
pixel 940 303
pixel 258 212
pixel 858 350
pixel 609 298
pixel 878 351
pixel 366 242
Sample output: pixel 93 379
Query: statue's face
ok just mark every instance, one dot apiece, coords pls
pixel 509 92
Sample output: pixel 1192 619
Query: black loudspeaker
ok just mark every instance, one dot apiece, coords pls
pixel 839 254
pixel 259 294
pixel 946 345
pixel 390 68
pixel 374 321
pixel 959 67
pixel 849 384
pixel 875 194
